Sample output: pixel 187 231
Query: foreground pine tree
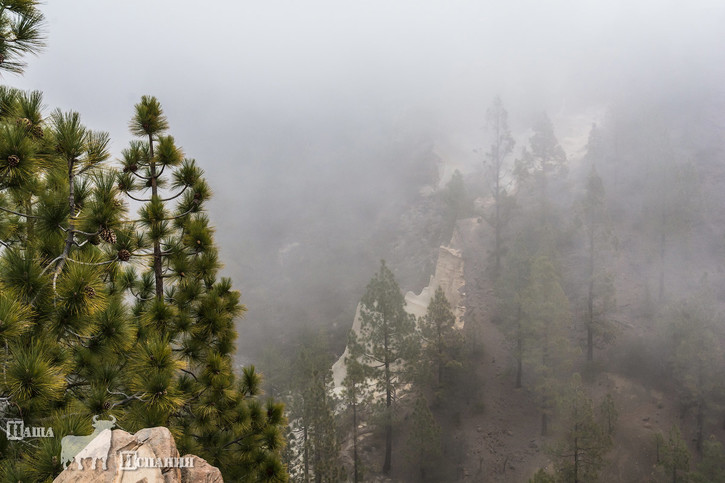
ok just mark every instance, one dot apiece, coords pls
pixel 183 374
pixel 88 325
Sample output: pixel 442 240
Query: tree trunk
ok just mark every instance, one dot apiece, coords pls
pixel 440 357
pixel 70 235
pixel 497 221
pixel 388 438
pixel 663 244
pixel 590 301
pixel 306 456
pixel 576 452
pixel 354 440
pixel 519 349
pixel 700 405
pixel 158 270
pixel 388 412
pixel 700 424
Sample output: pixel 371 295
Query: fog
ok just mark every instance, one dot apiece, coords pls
pixel 337 134
pixel 299 112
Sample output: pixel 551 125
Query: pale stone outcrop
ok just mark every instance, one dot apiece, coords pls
pixel 148 456
pixel 448 275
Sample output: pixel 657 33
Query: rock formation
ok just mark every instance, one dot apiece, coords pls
pixel 149 456
pixel 448 275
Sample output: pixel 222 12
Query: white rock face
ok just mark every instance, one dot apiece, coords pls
pixel 448 275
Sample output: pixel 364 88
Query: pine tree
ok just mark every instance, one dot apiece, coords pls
pixel 61 347
pixel 424 440
pixel 545 309
pixel 711 469
pixel 311 410
pixel 579 455
pixel 672 204
pixel 697 358
pixel 457 203
pixel 355 396
pixel 608 413
pixel 519 330
pixel 675 457
pixel 387 344
pixel 539 163
pixel 182 373
pixel 442 342
pixel 600 289
pixel 72 345
pixel 499 175
pixel 21 31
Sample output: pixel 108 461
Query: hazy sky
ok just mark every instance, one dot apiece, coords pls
pixel 224 66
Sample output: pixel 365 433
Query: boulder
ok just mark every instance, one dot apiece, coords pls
pixel 148 456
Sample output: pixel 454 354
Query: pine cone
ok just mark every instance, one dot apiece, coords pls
pixel 90 292
pixel 37 132
pixel 107 235
pixel 13 161
pixel 25 122
pixel 125 169
pixel 133 167
pixel 124 255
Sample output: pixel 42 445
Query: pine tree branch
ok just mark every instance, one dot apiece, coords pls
pixel 137 199
pixel 92 264
pixel 134 397
pixel 165 219
pixel 181 215
pixel 17 213
pixel 190 373
pixel 238 440
pixel 176 195
pixel 171 198
pixel 71 385
pixel 65 230
pixel 87 168
pixel 138 297
pixel 78 335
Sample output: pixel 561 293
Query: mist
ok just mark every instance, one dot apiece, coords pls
pixel 323 127
pixel 286 103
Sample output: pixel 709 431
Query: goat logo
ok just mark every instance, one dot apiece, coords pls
pixel 96 445
pixel 4 404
